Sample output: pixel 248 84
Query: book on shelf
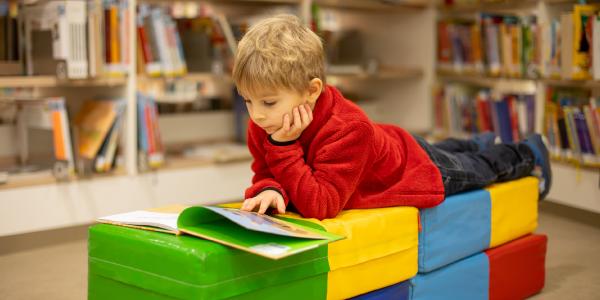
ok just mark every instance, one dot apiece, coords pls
pixel 97 128
pixel 520 46
pixel 271 237
pixel 62 32
pixel 572 126
pixel 35 119
pixel 504 45
pixel 150 143
pixel 159 42
pixel 461 110
pixel 106 157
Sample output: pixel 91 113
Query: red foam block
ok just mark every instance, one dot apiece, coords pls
pixel 517 269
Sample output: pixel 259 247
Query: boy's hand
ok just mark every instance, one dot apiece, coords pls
pixel 292 129
pixel 263 201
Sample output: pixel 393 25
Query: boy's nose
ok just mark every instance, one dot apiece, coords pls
pixel 259 116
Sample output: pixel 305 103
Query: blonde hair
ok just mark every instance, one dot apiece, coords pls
pixel 278 52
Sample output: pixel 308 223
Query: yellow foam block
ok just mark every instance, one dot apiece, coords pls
pixel 514 209
pixel 380 249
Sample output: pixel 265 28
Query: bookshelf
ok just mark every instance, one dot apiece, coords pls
pixel 576 181
pixel 52 81
pixel 37 201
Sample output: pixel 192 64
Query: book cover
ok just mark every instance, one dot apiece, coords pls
pixel 263 235
pixel 504 121
pixel 583 16
pixel 566 46
pixel 583 133
pixel 93 123
pixel 142 130
pixel 595 47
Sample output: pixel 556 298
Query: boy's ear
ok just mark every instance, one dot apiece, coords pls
pixel 314 90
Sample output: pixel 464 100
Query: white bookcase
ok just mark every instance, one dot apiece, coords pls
pixel 573 186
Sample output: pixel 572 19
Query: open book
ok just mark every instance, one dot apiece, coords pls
pixel 264 235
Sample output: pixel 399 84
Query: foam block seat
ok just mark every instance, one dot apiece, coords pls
pixel 517 268
pixel 381 249
pixel 127 263
pixel 512 271
pixel 471 222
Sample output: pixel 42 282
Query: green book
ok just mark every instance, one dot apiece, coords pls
pixel 271 237
pixel 263 235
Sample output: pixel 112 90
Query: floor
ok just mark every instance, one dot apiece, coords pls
pixel 59 271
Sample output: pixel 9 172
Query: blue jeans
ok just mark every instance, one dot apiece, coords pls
pixel 465 167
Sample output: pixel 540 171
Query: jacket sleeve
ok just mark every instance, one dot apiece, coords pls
pixel 322 189
pixel 262 179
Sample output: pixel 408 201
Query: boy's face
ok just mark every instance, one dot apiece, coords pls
pixel 268 107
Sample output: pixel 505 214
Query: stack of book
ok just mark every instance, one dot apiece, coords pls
pixel 499 45
pixel 150 144
pixel 461 110
pixel 97 129
pixel 160 51
pixel 521 47
pixel 108 39
pixel 572 125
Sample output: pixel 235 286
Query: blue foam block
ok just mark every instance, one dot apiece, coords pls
pixel 397 291
pixel 467 279
pixel 455 229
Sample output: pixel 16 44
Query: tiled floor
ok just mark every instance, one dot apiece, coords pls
pixel 59 271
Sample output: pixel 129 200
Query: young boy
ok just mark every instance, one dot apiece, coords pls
pixel 318 152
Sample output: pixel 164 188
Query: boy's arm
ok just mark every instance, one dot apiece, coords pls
pixel 322 190
pixel 262 179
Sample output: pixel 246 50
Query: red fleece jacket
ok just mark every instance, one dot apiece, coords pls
pixel 343 160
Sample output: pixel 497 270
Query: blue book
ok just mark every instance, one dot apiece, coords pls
pixel 503 116
pixel 142 130
pixel 583 133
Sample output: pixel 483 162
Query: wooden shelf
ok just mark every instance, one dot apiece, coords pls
pixel 508 84
pixel 45 177
pixel 52 81
pixel 572 83
pixel 510 5
pixel 374 5
pixel 485 80
pixel 383 74
pixel 576 187
pixel 202 76
pixel 234 2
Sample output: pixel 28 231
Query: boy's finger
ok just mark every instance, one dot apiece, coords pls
pixel 264 205
pixel 310 114
pixel 280 206
pixel 249 204
pixel 304 115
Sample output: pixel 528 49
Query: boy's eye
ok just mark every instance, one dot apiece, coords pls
pixel 269 103
pixel 248 101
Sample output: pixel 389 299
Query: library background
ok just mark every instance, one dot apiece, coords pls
pixel 112 106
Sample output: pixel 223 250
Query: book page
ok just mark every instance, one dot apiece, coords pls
pixel 166 221
pixel 263 223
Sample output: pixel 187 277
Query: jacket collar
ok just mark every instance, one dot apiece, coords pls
pixel 321 113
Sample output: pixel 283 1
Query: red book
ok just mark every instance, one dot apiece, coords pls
pixel 150 127
pixel 514 117
pixel 146 51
